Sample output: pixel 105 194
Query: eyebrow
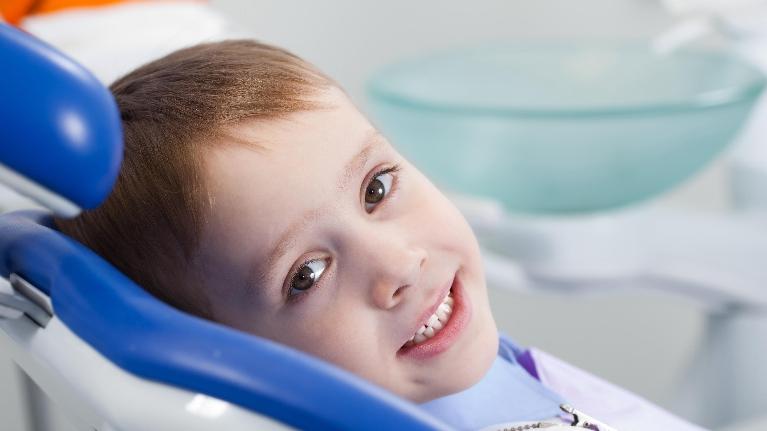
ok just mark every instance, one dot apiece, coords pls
pixel 353 166
pixel 350 170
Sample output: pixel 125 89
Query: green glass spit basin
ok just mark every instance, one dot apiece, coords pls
pixel 563 127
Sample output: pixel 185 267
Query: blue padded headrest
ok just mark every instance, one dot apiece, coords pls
pixel 59 126
pixel 150 339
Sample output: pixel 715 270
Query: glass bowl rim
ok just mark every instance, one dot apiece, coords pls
pixel 747 91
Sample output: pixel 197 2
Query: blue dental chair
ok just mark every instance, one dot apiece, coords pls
pixel 113 356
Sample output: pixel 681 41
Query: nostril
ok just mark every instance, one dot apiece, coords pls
pixel 399 291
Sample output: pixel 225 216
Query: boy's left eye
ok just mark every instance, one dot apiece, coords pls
pixel 378 188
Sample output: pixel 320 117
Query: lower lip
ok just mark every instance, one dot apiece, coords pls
pixel 448 335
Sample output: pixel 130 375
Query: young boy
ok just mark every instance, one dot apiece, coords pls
pixel 253 193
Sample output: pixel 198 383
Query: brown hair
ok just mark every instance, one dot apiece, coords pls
pixel 172 110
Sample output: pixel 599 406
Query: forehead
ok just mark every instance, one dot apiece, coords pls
pixel 298 152
pixel 335 127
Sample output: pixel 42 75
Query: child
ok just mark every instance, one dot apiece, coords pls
pixel 253 193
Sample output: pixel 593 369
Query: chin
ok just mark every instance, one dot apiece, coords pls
pixel 483 345
pixel 484 351
pixel 469 367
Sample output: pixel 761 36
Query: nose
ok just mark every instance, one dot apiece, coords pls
pixel 396 269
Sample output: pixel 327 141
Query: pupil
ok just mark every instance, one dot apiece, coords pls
pixel 375 192
pixel 304 278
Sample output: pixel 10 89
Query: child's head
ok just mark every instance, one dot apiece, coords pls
pixel 253 193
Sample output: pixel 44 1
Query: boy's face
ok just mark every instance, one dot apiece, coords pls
pixel 322 237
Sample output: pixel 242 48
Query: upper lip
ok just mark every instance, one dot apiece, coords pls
pixel 436 300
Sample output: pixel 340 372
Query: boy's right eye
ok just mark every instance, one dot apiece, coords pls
pixel 307 275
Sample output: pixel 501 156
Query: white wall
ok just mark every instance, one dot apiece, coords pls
pixel 349 39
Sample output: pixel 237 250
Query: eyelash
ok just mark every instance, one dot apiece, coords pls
pixel 293 297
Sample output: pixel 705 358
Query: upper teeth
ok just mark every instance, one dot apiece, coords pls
pixel 435 323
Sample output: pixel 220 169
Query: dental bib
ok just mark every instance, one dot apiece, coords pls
pixel 507 393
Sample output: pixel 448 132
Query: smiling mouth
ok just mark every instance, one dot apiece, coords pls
pixel 436 322
pixel 443 328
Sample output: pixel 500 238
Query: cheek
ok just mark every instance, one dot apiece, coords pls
pixel 440 215
pixel 345 334
pixel 339 334
pixel 446 229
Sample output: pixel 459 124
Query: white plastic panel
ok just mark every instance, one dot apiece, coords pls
pixel 97 394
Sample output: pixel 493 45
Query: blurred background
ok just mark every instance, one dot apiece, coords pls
pixel 643 340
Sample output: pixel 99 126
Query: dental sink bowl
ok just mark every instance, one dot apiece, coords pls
pixel 561 127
